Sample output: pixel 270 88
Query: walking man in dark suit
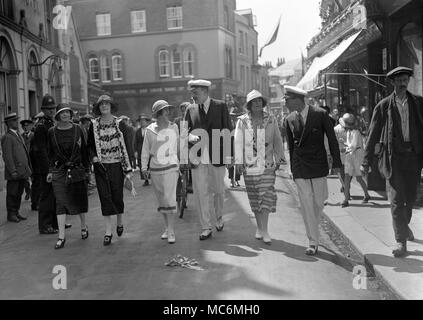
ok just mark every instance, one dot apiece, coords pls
pixel 17 167
pixel 139 140
pixel 47 220
pixel 396 139
pixel 201 118
pixel 306 127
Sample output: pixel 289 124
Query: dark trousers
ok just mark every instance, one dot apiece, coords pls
pixel 406 173
pixel 109 179
pixel 47 205
pixel 231 172
pixel 27 187
pixel 14 191
pixel 35 190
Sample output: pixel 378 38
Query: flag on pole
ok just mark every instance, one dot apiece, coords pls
pixel 273 37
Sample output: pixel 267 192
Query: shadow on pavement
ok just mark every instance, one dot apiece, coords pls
pixel 411 265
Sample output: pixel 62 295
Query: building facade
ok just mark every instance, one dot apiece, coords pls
pixel 142 51
pixel 34 61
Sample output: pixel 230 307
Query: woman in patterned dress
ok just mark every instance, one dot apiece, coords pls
pixel 160 155
pixel 110 152
pixel 259 152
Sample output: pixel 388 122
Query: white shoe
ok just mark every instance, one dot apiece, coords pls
pixel 171 238
pixel 258 235
pixel 164 235
pixel 267 239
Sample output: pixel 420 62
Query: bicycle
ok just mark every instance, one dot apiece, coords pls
pixel 182 190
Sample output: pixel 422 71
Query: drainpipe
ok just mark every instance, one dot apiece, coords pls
pixel 24 73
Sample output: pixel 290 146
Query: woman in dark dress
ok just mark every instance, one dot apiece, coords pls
pixel 67 150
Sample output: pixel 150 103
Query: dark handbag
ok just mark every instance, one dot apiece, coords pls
pixel 74 173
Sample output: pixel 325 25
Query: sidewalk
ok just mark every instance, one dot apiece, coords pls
pixel 368 227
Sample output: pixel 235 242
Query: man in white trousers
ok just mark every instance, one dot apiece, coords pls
pixel 306 127
pixel 203 117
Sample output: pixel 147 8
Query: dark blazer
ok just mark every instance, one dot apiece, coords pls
pixel 139 141
pixel 307 151
pixel 15 156
pixel 217 118
pixel 382 131
pixel 39 145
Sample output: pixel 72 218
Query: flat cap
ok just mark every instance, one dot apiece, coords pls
pixel 199 83
pixel 291 90
pixel 398 71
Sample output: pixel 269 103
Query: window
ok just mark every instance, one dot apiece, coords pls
pixel 103 24
pixel 228 63
pixel 105 69
pixel 188 63
pixel 174 18
pixel 164 63
pixel 226 17
pixel 93 69
pixel 176 64
pixel 242 78
pixel 138 23
pixel 117 66
pixel 241 42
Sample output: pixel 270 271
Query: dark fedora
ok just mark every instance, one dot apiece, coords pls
pixel 104 97
pixel 398 71
pixel 11 116
pixel 63 107
pixel 48 102
pixel 25 122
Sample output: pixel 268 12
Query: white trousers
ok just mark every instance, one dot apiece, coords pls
pixel 312 194
pixel 209 191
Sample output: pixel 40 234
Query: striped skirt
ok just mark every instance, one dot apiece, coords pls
pixel 261 191
pixel 164 186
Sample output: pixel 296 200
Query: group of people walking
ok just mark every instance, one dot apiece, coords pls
pixel 66 153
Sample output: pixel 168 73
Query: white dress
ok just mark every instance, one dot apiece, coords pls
pixel 354 152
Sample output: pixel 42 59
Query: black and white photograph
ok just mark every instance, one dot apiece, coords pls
pixel 212 157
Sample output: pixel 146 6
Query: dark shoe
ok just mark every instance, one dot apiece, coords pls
pixel 311 250
pixel 410 235
pixel 60 243
pixel 119 230
pixel 366 199
pixel 34 207
pixel 107 239
pixel 13 219
pixel 237 184
pixel 219 225
pixel 342 190
pixel 49 230
pixel 27 196
pixel 146 183
pixel 84 233
pixel 20 217
pixel 68 225
pixel 344 204
pixel 232 184
pixel 400 249
pixel 205 234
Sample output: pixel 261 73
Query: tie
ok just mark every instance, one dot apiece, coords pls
pixel 300 123
pixel 202 112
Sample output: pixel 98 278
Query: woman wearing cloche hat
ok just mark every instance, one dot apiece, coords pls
pixel 68 152
pixel 257 133
pixel 110 150
pixel 160 153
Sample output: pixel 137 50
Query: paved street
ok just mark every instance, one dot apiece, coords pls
pixel 236 265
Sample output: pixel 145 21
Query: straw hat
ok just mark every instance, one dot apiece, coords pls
pixel 347 121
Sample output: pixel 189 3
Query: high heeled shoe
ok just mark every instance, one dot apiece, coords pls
pixel 84 233
pixel 119 230
pixel 107 239
pixel 312 250
pixel 60 243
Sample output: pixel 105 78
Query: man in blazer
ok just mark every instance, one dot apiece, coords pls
pixel 396 139
pixel 202 117
pixel 306 127
pixel 17 167
pixel 139 141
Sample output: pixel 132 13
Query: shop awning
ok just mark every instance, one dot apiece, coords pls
pixel 311 78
